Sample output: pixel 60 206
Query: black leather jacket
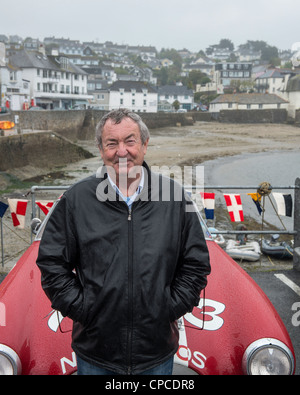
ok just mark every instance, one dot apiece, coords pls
pixel 136 272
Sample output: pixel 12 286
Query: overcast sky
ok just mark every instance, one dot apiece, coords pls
pixel 192 24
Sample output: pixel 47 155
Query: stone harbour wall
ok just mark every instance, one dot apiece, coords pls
pixel 41 150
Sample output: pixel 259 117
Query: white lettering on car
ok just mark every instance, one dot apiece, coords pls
pixel 2 314
pixel 72 363
pixel 215 322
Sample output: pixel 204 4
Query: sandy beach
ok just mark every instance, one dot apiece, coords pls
pixel 174 146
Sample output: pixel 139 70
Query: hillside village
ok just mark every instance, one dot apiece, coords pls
pixel 59 73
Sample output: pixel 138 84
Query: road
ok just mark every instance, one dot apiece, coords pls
pixel 283 290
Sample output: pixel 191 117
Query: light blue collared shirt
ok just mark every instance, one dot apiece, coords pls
pixel 129 199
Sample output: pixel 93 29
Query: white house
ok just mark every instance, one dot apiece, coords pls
pixel 293 95
pixel 137 96
pixel 247 101
pixel 272 81
pixel 54 81
pixel 14 90
pixel 180 93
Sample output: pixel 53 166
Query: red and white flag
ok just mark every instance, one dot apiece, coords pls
pixel 208 201
pixel 45 206
pixel 234 206
pixel 18 212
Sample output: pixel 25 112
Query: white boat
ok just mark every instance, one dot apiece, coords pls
pixel 249 251
pixel 219 239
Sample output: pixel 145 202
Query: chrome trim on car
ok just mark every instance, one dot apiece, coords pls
pixel 263 344
pixel 12 357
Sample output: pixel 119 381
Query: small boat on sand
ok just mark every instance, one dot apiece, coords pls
pixel 247 251
pixel 277 249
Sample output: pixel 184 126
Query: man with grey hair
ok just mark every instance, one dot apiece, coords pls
pixel 140 262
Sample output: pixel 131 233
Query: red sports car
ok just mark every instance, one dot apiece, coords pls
pixel 235 329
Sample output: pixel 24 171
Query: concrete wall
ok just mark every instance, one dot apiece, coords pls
pixel 251 116
pixel 80 124
pixel 41 150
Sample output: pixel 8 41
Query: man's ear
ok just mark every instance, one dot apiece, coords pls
pixel 145 146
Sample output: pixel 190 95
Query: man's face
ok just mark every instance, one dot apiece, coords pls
pixel 122 148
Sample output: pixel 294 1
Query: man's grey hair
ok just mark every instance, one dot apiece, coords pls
pixel 117 116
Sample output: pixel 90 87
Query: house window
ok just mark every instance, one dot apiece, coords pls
pixel 145 102
pixel 278 105
pixel 260 106
pixel 121 102
pixel 229 105
pixel 248 106
pixel 133 102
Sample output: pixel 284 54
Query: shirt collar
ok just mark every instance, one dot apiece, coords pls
pixel 129 199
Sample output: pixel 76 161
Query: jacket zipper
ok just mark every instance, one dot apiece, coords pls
pixel 130 292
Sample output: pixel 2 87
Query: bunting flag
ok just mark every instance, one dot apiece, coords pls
pixel 3 208
pixel 256 197
pixel 208 200
pixel 45 206
pixel 234 206
pixel 284 204
pixel 18 212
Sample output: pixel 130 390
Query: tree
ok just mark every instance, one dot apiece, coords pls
pixel 269 53
pixel 176 105
pixel 173 55
pixel 225 43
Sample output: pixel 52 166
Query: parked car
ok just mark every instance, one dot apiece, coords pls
pixel 36 108
pixel 235 329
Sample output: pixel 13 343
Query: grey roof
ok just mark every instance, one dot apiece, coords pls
pixel 139 86
pixel 34 59
pixel 271 73
pixel 175 90
pixel 249 98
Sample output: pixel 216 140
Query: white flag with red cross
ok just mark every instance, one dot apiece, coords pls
pixel 234 206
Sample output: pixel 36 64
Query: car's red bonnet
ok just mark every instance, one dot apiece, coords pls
pixel 236 314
